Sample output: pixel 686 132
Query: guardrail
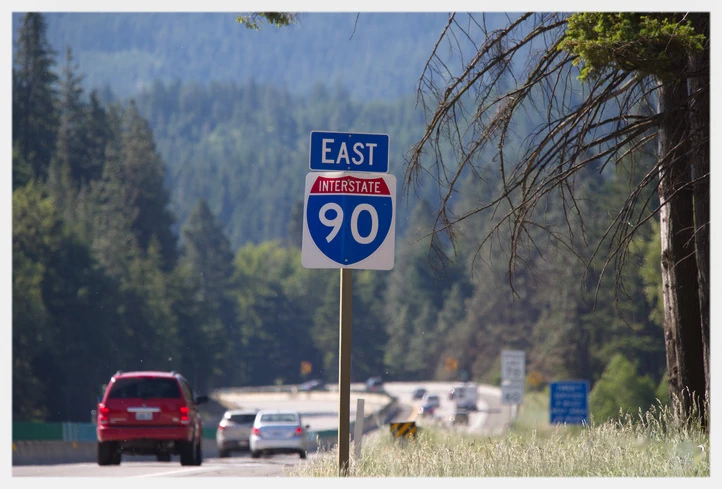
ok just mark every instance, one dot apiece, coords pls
pixel 68 432
pixel 372 421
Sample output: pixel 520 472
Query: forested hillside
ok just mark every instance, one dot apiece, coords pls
pixel 373 56
pixel 162 231
pixel 222 142
pixel 228 104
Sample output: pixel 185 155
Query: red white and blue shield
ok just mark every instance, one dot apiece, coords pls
pixel 349 220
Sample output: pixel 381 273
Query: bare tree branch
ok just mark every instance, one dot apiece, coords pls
pixel 472 118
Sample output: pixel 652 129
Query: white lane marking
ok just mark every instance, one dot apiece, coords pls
pixel 175 472
pixel 483 413
pixel 208 467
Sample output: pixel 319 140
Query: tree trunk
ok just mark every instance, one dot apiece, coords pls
pixel 682 319
pixel 700 125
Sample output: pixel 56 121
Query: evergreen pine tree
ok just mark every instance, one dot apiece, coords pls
pixel 97 134
pixel 144 171
pixel 34 100
pixel 207 262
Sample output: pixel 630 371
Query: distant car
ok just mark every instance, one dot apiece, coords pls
pixel 426 410
pixel 234 431
pixel 375 384
pixel 432 400
pixel 461 417
pixel 278 432
pixel 149 413
pixel 312 385
pixel 418 393
pixel 466 396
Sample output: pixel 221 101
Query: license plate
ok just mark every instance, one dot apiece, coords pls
pixel 143 415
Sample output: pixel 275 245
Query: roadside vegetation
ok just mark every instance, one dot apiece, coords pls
pixel 655 443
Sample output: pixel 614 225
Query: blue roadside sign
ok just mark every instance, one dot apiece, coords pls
pixel 349 151
pixel 349 221
pixel 568 402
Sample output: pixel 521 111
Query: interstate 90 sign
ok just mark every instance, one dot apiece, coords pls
pixel 349 221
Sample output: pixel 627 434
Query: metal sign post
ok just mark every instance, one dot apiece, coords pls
pixel 359 428
pixel 344 369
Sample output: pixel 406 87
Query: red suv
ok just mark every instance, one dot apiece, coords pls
pixel 149 413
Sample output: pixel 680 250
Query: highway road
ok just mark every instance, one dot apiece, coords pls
pixel 491 418
pixel 240 465
pixel 320 411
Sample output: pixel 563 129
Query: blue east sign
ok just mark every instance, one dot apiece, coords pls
pixel 343 151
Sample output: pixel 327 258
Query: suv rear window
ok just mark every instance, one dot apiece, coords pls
pixel 242 418
pixel 145 388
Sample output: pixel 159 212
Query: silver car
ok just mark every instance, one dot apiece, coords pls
pixel 432 400
pixel 234 431
pixel 278 432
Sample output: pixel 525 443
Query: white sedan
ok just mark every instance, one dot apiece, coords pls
pixel 278 432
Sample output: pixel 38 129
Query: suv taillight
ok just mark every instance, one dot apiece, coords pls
pixel 103 412
pixel 256 431
pixel 299 431
pixel 184 419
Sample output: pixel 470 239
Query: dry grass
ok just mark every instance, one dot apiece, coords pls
pixel 651 444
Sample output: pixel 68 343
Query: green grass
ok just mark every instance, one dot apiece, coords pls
pixel 651 444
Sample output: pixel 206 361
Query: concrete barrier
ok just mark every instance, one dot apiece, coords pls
pixel 233 398
pixel 35 452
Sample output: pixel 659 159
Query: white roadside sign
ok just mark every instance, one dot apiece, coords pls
pixel 512 365
pixel 512 392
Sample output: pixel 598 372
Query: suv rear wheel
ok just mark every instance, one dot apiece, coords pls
pixel 186 453
pixel 199 455
pixel 108 453
pixel 190 453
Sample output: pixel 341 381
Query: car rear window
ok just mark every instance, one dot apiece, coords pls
pixel 145 388
pixel 242 418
